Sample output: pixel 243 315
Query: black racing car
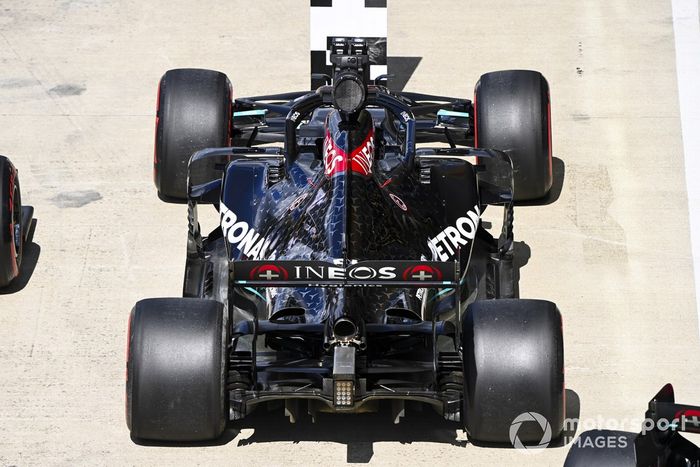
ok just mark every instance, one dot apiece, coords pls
pixel 660 442
pixel 350 266
pixel 15 222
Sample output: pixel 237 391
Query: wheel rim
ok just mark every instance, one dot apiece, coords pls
pixel 17 222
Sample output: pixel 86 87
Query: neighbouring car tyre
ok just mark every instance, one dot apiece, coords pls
pixel 11 235
pixel 602 448
pixel 193 113
pixel 513 365
pixel 512 113
pixel 176 370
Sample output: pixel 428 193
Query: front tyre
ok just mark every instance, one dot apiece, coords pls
pixel 513 365
pixel 11 235
pixel 512 113
pixel 193 113
pixel 176 370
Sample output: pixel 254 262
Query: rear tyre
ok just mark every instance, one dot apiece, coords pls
pixel 176 370
pixel 11 236
pixel 194 112
pixel 513 365
pixel 512 114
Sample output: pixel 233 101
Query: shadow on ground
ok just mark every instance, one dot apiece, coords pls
pixel 357 432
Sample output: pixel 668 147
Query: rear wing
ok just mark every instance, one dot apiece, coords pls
pixel 360 274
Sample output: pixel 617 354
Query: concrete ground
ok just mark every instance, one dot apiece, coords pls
pixel 77 97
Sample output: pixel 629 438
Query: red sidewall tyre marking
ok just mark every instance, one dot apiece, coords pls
pixel 13 248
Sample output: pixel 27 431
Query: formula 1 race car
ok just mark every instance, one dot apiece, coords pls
pixel 660 442
pixel 350 266
pixel 15 222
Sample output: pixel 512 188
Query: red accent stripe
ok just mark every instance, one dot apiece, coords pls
pixel 13 253
pixel 126 367
pixel 155 138
pixel 388 181
pixel 362 157
pixel 563 371
pixel 229 137
pixel 549 132
pixel 128 341
pixel 476 131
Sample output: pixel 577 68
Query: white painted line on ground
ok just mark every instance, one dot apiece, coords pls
pixel 686 28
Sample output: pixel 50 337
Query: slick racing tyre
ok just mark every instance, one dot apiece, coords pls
pixel 176 370
pixel 513 371
pixel 511 112
pixel 193 113
pixel 11 235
